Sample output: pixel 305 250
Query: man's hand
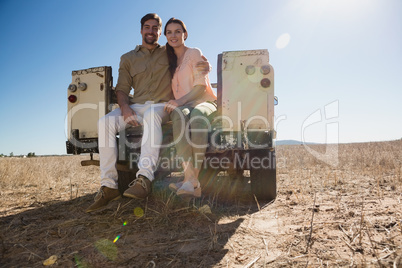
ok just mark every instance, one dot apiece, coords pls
pixel 130 117
pixel 170 106
pixel 203 66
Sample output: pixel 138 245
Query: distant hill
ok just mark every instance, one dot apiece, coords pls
pixel 292 142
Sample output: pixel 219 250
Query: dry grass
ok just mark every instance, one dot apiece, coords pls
pixel 358 205
pixel 27 181
pixel 348 215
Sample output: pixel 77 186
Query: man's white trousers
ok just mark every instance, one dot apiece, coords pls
pixel 149 115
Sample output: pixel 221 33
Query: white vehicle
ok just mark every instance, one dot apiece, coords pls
pixel 240 139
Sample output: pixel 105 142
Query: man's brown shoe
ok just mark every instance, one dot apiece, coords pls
pixel 103 197
pixel 138 188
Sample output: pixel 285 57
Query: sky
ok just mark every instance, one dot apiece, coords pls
pixel 337 62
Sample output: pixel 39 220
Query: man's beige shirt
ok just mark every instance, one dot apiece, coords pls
pixel 147 72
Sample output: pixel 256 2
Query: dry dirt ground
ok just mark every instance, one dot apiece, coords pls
pixel 345 213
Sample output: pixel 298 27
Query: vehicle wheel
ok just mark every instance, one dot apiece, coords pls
pixel 263 175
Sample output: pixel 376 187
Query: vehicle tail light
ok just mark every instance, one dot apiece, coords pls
pixel 250 69
pixel 265 82
pixel 72 87
pixel 82 86
pixel 265 69
pixel 72 98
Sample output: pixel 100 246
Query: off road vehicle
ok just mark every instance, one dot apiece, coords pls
pixel 241 136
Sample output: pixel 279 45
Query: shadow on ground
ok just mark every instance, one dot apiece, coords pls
pixel 162 231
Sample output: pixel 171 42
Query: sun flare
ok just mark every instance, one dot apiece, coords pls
pixel 282 41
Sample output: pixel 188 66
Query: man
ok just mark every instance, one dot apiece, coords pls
pixel 145 69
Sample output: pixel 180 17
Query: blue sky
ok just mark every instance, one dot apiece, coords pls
pixel 341 58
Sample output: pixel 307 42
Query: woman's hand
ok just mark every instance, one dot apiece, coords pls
pixel 171 105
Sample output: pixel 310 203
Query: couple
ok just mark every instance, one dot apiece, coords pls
pixel 169 82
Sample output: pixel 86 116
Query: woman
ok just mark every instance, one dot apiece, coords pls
pixel 192 108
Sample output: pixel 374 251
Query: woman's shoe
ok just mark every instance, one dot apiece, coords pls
pixel 187 190
pixel 175 186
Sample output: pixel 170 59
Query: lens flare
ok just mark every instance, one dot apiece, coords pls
pixel 117 238
pixel 107 248
pixel 283 41
pixel 125 223
pixel 139 212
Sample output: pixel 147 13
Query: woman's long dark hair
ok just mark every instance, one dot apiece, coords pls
pixel 172 58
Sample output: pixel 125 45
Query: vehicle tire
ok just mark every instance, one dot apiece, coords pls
pixel 263 176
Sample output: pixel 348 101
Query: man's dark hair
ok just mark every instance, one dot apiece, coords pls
pixel 151 16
